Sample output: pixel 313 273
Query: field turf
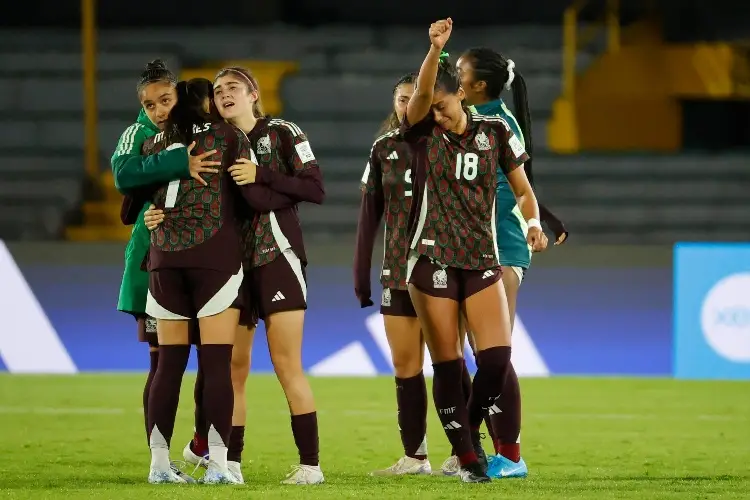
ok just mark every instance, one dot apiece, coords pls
pixel 70 437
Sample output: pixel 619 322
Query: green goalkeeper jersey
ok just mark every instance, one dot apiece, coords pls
pixel 131 170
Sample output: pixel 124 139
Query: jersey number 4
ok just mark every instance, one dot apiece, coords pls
pixel 467 166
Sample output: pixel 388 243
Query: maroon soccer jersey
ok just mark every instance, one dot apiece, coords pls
pixel 199 228
pixel 287 166
pixel 386 193
pixel 455 176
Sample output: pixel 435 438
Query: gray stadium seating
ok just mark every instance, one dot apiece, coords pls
pixel 339 98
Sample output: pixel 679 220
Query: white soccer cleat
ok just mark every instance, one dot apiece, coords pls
pixel 235 469
pixel 304 474
pixel 192 458
pixel 169 476
pixel 216 474
pixel 406 466
pixel 450 467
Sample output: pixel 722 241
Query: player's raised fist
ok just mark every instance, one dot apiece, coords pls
pixel 440 32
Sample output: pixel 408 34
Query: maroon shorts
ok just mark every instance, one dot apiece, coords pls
pixel 147 331
pixel 182 294
pixel 280 285
pixel 249 312
pixel 450 282
pixel 397 303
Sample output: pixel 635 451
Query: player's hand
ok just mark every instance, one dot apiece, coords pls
pixel 536 239
pixel 243 172
pixel 199 165
pixel 153 217
pixel 364 299
pixel 440 32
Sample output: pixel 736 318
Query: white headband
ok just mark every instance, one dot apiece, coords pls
pixel 511 74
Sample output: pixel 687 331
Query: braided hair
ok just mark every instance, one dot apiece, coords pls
pixel 156 71
pixel 499 73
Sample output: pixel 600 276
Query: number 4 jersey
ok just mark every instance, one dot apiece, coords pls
pixel 452 219
pixel 386 193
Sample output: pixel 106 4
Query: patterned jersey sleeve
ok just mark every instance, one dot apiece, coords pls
pixel 303 180
pixel 259 197
pixel 513 153
pixel 370 213
pixel 413 133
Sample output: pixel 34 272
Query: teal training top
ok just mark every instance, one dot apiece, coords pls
pixel 511 225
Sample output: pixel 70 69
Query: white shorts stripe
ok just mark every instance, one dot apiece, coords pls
pixel 296 266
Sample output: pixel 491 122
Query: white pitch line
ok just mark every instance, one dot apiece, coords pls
pixel 25 410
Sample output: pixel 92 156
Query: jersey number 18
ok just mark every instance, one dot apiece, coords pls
pixel 467 166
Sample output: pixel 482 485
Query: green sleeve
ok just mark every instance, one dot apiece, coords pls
pixel 131 170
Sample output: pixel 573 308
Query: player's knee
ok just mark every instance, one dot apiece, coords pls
pixel 445 350
pixel 288 366
pixel 407 363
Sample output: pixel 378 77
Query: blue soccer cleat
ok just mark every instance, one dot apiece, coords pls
pixel 500 467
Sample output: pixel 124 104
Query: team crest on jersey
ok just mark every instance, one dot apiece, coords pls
pixel 482 141
pixel 440 279
pixel 386 299
pixel 264 145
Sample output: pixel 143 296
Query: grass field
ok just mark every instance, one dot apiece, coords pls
pixel 82 437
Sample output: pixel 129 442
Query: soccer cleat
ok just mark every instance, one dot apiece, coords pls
pixel 169 476
pixel 406 466
pixel 177 467
pixel 449 468
pixel 476 441
pixel 473 473
pixel 218 475
pixel 501 467
pixel 235 469
pixel 304 474
pixel 190 457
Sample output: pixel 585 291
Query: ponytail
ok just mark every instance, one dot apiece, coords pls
pixel 523 117
pixel 499 73
pixel 188 112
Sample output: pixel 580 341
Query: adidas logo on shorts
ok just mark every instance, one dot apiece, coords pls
pixel 488 274
pixel 279 296
pixel 452 425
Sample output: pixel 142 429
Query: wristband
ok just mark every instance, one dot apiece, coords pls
pixel 534 223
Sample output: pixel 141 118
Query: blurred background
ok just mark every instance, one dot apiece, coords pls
pixel 641 115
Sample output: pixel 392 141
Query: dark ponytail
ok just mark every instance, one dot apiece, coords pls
pixel 156 71
pixel 392 123
pixel 188 112
pixel 492 68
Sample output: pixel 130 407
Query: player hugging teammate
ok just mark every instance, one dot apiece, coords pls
pixel 259 195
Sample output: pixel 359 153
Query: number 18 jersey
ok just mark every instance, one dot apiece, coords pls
pixel 452 218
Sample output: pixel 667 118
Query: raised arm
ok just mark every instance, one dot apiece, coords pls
pixel 421 101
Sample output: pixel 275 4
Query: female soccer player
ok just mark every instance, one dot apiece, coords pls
pixel 262 199
pixel 386 189
pixel 484 74
pixel 157 94
pixel 195 267
pixel 275 251
pixel 454 263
